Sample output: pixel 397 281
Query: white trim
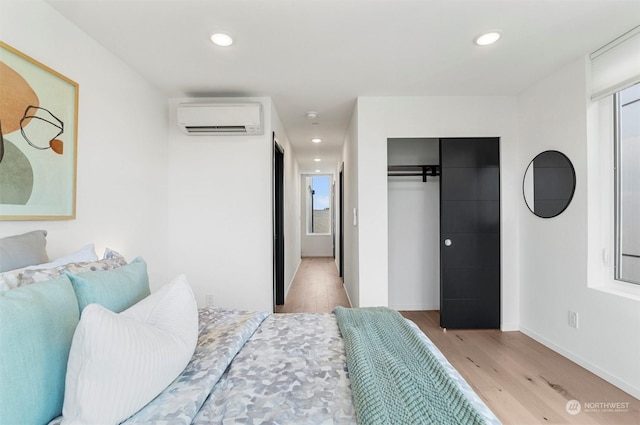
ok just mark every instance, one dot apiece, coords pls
pixel 509 327
pixel 414 307
pixel 347 292
pixel 620 289
pixel 615 66
pixel 286 290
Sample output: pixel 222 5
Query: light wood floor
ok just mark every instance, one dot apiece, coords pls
pixel 522 381
pixel 316 288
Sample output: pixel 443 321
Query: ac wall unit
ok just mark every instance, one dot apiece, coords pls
pixel 222 119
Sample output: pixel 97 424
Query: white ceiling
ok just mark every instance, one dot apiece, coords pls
pixel 320 55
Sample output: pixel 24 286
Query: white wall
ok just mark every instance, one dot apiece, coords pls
pixel 212 222
pixel 122 142
pixel 220 212
pixel 380 118
pixel 351 230
pixel 555 114
pixel 291 202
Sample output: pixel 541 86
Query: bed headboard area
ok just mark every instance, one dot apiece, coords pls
pixel 40 307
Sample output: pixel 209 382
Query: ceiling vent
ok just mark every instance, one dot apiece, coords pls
pixel 220 119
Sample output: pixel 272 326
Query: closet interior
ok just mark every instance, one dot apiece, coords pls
pixel 414 223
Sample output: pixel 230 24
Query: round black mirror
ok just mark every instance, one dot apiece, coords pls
pixel 549 184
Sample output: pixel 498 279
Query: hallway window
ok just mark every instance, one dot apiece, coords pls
pixel 628 185
pixel 319 205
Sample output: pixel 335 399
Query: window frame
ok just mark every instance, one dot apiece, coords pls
pixel 309 190
pixel 617 191
pixel 600 273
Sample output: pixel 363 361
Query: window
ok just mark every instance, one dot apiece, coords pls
pixel 627 178
pixel 613 180
pixel 319 205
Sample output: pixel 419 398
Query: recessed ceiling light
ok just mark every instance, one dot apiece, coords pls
pixel 316 140
pixel 487 38
pixel 317 171
pixel 222 39
pixel 312 114
pixel 317 159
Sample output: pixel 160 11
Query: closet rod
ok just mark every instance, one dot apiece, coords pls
pixel 413 170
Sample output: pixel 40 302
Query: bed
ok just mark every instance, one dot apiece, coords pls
pixel 279 368
pixel 368 365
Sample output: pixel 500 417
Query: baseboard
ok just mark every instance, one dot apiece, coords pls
pixel 413 307
pixel 509 327
pixel 614 380
pixel 347 292
pixel 286 290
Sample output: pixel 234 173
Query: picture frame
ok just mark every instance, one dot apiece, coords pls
pixel 38 139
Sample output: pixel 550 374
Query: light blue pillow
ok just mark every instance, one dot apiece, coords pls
pixel 37 323
pixel 115 289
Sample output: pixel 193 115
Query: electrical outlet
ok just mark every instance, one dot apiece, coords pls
pixel 573 319
pixel 210 300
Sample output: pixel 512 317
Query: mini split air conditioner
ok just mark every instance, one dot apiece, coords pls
pixel 222 119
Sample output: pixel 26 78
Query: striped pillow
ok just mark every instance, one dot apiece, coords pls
pixel 120 362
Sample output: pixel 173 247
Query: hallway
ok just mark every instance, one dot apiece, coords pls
pixel 316 288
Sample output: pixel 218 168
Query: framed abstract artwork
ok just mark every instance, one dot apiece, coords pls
pixel 38 140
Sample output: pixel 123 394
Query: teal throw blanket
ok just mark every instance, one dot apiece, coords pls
pixel 395 378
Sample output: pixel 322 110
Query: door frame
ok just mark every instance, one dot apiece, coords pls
pixel 278 223
pixel 341 216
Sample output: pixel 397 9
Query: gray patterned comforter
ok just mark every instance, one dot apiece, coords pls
pixel 261 368
pixel 222 334
pixel 292 371
pixel 287 368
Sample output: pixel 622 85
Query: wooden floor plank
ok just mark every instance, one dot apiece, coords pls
pixel 316 288
pixel 521 380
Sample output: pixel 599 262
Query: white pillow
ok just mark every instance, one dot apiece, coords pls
pixel 11 279
pixel 84 255
pixel 120 362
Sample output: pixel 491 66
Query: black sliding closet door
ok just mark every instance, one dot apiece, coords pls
pixel 470 233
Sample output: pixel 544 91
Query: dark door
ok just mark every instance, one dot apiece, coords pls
pixel 278 223
pixel 341 214
pixel 333 221
pixel 470 233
